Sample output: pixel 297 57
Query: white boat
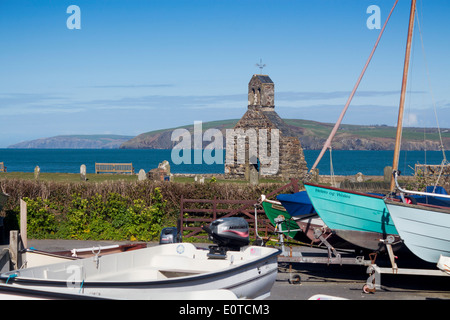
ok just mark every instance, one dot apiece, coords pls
pixel 32 257
pixel 425 229
pixel 8 292
pixel 161 272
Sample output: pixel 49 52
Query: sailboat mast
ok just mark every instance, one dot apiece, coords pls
pixel 341 117
pixel 398 137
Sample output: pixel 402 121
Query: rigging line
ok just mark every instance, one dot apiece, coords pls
pixel 409 100
pixel 430 88
pixel 332 176
pixel 336 126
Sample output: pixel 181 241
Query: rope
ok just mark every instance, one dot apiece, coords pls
pixel 333 179
pixel 431 90
pixel 81 286
pixel 336 126
pixel 11 276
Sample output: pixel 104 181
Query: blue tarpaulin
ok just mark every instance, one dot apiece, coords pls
pixel 296 204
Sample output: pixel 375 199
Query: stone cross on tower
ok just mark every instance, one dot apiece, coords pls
pixel 260 65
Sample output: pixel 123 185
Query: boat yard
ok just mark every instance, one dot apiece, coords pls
pixel 328 242
pixel 303 280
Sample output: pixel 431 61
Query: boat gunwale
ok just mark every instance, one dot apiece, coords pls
pixel 386 199
pixel 420 206
pixel 344 190
pixel 7 276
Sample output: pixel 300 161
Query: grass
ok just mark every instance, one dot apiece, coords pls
pixel 182 179
pixel 93 178
pixel 67 177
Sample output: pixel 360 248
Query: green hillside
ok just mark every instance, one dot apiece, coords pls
pixel 312 135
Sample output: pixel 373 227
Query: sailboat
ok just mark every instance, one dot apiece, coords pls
pixel 360 218
pixel 424 228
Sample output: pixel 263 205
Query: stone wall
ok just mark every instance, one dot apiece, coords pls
pixel 262 140
pixel 290 162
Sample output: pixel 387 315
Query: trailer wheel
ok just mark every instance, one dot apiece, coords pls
pixel 368 289
pixel 295 279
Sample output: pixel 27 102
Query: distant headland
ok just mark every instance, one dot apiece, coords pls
pixel 312 135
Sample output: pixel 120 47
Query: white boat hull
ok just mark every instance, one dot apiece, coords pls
pixel 425 230
pixel 444 264
pixel 156 272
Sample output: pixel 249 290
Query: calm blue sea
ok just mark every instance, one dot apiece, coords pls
pixel 70 160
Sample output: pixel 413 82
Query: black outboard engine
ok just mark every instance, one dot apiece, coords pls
pixel 230 234
pixel 169 235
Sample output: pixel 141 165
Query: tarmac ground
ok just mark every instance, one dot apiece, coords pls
pixel 300 281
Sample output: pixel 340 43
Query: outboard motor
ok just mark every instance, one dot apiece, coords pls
pixel 229 234
pixel 169 235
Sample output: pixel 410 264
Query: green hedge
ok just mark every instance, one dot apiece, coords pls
pixel 96 218
pixel 111 210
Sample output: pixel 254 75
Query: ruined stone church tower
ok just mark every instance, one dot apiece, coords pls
pixel 280 156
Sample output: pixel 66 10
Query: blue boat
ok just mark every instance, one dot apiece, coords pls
pixel 297 204
pixel 359 218
pixel 300 207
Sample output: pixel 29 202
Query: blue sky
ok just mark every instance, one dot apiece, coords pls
pixel 137 66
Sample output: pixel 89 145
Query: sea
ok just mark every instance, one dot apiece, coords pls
pixel 344 162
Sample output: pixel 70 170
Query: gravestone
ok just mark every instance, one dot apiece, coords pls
pixel 199 179
pixel 83 172
pixel 359 177
pixel 142 175
pixel 37 172
pixel 165 165
pixel 387 174
pixel 160 173
pixel 254 175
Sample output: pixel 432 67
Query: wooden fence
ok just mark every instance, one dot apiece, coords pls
pixel 194 213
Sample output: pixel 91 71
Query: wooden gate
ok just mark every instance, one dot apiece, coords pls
pixel 194 213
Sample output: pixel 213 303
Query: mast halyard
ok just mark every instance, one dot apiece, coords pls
pixel 398 137
pixel 327 144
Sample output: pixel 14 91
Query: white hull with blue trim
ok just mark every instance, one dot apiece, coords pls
pixel 425 229
pixel 160 272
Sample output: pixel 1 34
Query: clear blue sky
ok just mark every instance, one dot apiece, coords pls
pixel 138 66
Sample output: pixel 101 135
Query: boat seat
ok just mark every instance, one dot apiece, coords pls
pixel 173 273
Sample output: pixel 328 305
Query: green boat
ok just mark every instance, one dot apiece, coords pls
pixel 302 228
pixel 274 210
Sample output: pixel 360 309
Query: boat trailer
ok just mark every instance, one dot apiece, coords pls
pixel 332 256
pixel 373 283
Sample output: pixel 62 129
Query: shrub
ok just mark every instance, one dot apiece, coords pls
pixel 41 221
pixel 110 210
pixel 114 217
